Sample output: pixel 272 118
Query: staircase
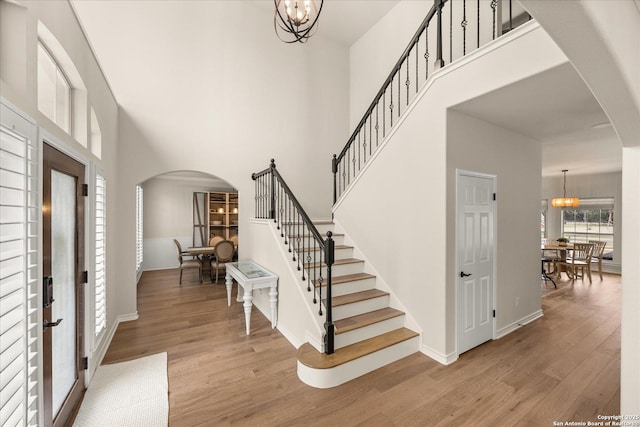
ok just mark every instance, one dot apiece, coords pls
pixel 368 332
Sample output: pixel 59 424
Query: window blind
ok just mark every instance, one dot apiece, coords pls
pixel 139 229
pixel 100 291
pixel 19 273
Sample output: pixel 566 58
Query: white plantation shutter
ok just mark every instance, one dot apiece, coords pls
pixel 139 229
pixel 19 271
pixel 100 294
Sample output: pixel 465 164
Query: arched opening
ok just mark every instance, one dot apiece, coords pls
pixel 189 207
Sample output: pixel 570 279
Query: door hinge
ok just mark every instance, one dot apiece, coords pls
pixel 494 196
pixel 85 277
pixel 494 314
pixel 85 363
pixel 85 190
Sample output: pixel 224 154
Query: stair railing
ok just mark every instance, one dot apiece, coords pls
pixel 274 200
pixel 412 70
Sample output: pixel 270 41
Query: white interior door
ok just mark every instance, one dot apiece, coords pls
pixel 475 252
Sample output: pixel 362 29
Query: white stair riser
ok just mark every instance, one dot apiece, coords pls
pixel 326 378
pixel 342 269
pixel 339 240
pixel 323 228
pixel 341 253
pixel 351 287
pixel 360 307
pixel 370 331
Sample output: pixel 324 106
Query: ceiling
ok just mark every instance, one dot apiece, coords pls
pixel 558 109
pixel 554 107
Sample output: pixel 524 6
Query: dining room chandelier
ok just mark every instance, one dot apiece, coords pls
pixel 296 21
pixel 564 201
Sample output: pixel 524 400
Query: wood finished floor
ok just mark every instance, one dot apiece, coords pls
pixel 562 367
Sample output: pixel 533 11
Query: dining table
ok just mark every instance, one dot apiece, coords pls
pixel 206 253
pixel 561 250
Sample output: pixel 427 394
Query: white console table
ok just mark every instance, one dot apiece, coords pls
pixel 252 276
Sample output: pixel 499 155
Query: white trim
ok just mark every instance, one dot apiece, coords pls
pixel 443 359
pixel 496 44
pixel 518 324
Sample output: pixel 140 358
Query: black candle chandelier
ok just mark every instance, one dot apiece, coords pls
pixel 296 21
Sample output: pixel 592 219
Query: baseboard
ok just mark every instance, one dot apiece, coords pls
pixel 127 317
pixel 518 324
pixel 289 336
pixel 443 359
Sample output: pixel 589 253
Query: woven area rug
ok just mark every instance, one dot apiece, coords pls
pixel 133 393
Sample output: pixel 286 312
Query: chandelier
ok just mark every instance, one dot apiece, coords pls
pixel 295 21
pixel 565 202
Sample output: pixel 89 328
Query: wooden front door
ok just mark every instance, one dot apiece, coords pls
pixel 63 296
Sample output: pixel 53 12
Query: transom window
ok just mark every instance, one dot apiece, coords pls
pixel 54 90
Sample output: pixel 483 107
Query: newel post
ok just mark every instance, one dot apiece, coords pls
pixel 272 196
pixel 334 169
pixel 329 327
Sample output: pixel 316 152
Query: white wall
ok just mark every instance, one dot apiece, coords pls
pixel 585 186
pixel 515 160
pixel 411 171
pixel 234 97
pixel 168 215
pixel 18 78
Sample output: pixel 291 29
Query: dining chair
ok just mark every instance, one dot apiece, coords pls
pixel 549 260
pixel 597 254
pixel 579 261
pixel 223 252
pixel 188 263
pixel 215 240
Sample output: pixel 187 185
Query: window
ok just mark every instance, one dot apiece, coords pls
pixel 19 270
pixel 593 220
pixel 96 135
pixel 543 219
pixel 100 271
pixel 139 229
pixel 54 91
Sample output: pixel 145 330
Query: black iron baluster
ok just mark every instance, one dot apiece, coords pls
pixel 315 277
pixel 494 4
pixel 377 125
pixel 391 105
pixel 464 27
pixel 450 31
pixel 354 160
pixel 359 149
pixel 439 61
pixel 510 16
pixel 426 54
pixel 364 143
pixel 408 82
pixel 370 136
pixel 417 62
pixel 384 110
pixel 272 202
pixel 478 28
pixel 399 92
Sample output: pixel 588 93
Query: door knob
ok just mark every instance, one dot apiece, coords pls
pixel 46 324
pixel 463 274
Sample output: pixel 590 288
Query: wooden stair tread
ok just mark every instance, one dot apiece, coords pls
pixel 337 280
pixel 357 297
pixel 315 248
pixel 342 261
pixel 309 356
pixel 295 236
pixel 366 319
pixel 319 222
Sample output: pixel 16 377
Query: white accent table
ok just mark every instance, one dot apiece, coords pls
pixel 252 276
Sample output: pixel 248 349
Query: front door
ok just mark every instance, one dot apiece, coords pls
pixel 475 256
pixel 63 263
